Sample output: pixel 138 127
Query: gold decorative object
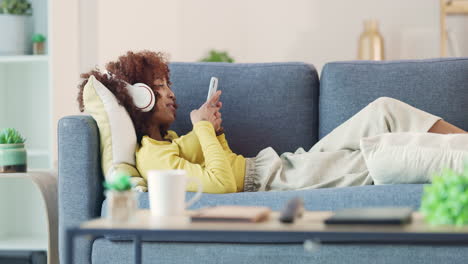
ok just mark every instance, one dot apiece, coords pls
pixel 371 44
pixel 449 7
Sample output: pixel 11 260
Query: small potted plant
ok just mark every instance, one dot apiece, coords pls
pixel 217 56
pixel 445 201
pixel 38 41
pixel 12 152
pixel 15 27
pixel 121 199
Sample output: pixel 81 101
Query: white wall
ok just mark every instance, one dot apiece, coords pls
pixel 65 61
pixel 147 24
pixel 314 31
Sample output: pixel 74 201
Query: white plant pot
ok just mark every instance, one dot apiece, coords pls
pixel 121 206
pixel 15 35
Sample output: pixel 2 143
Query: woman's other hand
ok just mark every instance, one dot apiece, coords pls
pixel 219 129
pixel 218 123
pixel 209 111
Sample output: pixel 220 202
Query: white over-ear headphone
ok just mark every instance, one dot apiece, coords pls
pixel 143 96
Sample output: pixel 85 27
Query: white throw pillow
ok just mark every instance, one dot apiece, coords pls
pixel 394 158
pixel 117 134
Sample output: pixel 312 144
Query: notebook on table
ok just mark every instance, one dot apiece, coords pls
pixel 375 215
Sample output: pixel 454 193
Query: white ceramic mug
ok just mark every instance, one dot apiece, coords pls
pixel 166 189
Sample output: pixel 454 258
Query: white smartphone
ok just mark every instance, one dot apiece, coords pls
pixel 213 87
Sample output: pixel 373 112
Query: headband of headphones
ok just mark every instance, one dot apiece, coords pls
pixel 143 96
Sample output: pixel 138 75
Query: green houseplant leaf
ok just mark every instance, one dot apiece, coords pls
pixel 38 38
pixel 11 136
pixel 16 7
pixel 120 182
pixel 445 201
pixel 217 56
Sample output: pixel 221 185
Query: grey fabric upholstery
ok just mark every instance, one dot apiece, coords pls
pixel 316 200
pixel 104 252
pixel 80 181
pixel 438 86
pixel 256 98
pixel 264 104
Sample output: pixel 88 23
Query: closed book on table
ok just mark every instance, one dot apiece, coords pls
pixel 232 214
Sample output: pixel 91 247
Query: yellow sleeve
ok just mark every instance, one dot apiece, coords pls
pixel 190 148
pixel 216 175
pixel 218 170
pixel 222 140
pixel 237 162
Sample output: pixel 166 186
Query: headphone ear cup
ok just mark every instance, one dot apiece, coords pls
pixel 143 96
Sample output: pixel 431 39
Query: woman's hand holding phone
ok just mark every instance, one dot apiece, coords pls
pixel 209 111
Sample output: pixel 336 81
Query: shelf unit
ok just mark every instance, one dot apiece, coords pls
pixel 33 243
pixel 23 204
pixel 29 221
pixel 25 86
pixel 26 104
pixel 24 58
pixel 449 7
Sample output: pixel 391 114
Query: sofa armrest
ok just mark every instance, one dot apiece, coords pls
pixel 80 179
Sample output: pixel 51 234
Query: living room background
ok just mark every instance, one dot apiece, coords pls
pixel 316 31
pixel 278 96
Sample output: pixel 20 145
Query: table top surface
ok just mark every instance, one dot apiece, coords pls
pixel 28 174
pixel 312 221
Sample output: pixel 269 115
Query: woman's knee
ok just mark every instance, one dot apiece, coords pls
pixel 384 100
pixel 386 103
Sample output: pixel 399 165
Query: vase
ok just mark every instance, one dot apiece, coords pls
pixel 371 44
pixel 121 205
pixel 13 158
pixel 15 34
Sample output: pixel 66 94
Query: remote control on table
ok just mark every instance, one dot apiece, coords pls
pixel 294 208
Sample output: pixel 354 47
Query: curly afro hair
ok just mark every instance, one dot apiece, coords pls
pixel 133 67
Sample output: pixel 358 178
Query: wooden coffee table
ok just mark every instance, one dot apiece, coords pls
pixel 309 227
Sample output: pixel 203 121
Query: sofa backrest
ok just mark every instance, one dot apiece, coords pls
pixel 438 86
pixel 264 104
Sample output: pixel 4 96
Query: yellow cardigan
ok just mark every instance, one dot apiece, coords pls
pixel 200 153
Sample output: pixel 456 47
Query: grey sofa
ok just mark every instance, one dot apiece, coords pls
pixel 283 105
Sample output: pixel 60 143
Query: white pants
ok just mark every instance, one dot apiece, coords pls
pixel 336 160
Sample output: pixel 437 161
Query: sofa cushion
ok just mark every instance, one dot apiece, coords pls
pixel 315 200
pixel 117 134
pixel 438 86
pixel 264 104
